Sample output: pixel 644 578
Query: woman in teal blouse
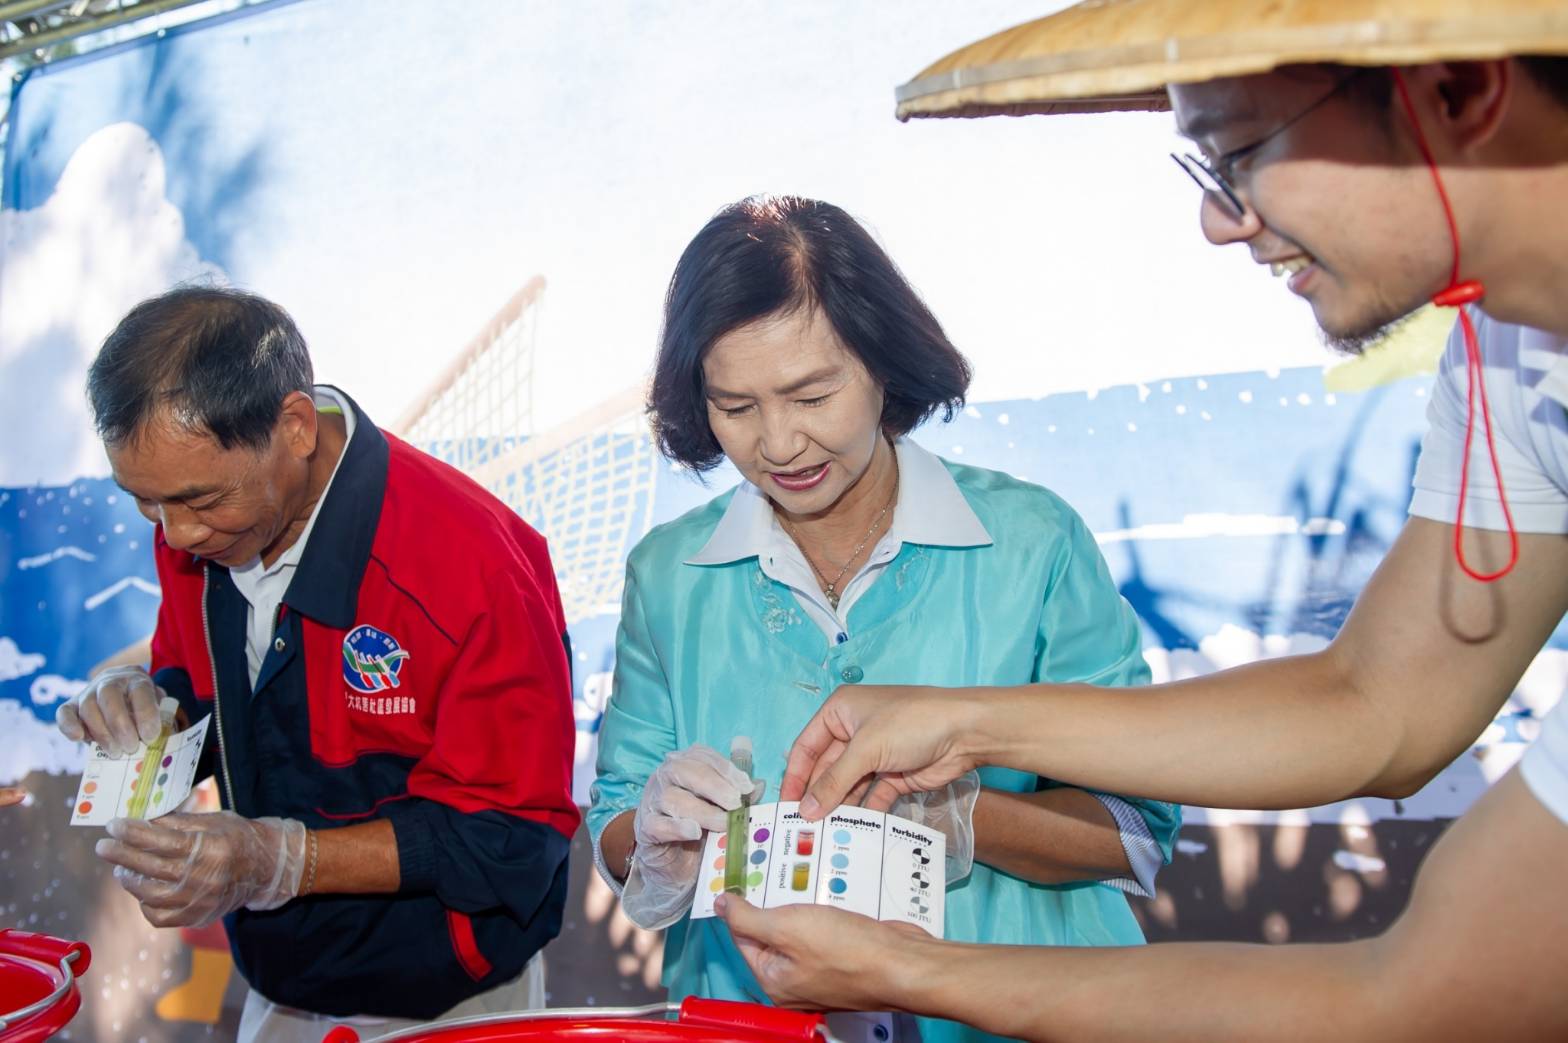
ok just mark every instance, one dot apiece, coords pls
pixel 794 348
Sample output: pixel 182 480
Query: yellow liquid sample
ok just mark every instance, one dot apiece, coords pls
pixel 152 763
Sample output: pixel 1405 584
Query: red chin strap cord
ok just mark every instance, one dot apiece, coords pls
pixel 1457 295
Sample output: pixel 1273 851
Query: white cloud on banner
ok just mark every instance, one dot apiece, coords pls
pixel 16 663
pixel 69 270
pixel 48 689
pixel 28 745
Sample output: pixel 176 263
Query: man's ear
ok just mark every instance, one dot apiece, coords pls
pixel 1466 101
pixel 297 425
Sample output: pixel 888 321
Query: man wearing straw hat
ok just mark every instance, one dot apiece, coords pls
pixel 1427 160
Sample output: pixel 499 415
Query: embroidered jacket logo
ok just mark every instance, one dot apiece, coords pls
pixel 372 660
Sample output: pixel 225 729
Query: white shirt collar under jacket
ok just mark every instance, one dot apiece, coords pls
pixel 262 586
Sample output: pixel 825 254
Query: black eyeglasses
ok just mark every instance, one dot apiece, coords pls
pixel 1218 180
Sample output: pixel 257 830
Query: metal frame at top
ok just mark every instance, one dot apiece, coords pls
pixel 31 31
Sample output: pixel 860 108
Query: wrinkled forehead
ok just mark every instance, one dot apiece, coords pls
pixel 165 455
pixel 1238 105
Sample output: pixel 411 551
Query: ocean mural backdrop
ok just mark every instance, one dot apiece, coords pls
pixel 442 212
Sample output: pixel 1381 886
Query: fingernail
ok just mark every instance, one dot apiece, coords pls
pixel 809 807
pixel 102 847
pixel 115 827
pixel 720 904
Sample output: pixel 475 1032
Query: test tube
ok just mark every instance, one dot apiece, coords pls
pixel 738 824
pixel 152 760
pixel 805 842
pixel 800 877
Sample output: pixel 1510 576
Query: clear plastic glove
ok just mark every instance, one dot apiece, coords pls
pixel 951 812
pixel 690 792
pixel 118 710
pixel 188 870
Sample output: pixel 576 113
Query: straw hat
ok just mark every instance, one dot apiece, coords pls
pixel 1110 55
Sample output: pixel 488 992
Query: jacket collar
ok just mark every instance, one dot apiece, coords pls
pixel 326 584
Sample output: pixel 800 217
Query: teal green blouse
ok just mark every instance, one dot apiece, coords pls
pixel 708 652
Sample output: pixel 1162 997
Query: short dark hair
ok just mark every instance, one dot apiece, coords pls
pixel 772 255
pixel 1550 72
pixel 220 359
pixel 1374 86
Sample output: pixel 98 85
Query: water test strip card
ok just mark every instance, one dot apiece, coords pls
pixel 865 861
pixel 108 782
pixel 710 878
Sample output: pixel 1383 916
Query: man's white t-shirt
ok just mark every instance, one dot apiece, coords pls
pixel 263 587
pixel 1526 373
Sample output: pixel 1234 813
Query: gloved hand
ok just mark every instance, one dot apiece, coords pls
pixel 188 870
pixel 118 710
pixel 688 793
pixel 951 812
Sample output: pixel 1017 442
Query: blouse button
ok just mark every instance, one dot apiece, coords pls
pixel 852 674
pixel 278 644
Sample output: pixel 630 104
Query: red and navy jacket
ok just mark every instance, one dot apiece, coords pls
pixel 419 673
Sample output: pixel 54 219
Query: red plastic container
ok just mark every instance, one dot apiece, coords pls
pixel 38 975
pixel 696 1019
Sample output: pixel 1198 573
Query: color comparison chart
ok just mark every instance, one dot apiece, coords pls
pixel 109 783
pixel 867 862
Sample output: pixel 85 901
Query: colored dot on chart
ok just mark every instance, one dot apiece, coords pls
pixel 157 798
pixel 718 863
pixel 168 761
pixel 840 861
pixel 841 837
pixel 84 807
pixel 754 880
pixel 717 885
pixel 838 887
pixel 761 835
pixel 724 841
pixel 138 766
pixel 163 779
pixel 758 857
pixel 90 788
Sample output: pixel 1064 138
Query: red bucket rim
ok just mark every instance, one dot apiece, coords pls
pixel 696 1020
pixel 49 998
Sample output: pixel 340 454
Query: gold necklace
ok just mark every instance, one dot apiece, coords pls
pixel 831 589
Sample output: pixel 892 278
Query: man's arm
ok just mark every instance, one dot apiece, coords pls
pixel 1421 665
pixel 188 870
pixel 359 859
pixel 489 812
pixel 1055 836
pixel 1477 955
